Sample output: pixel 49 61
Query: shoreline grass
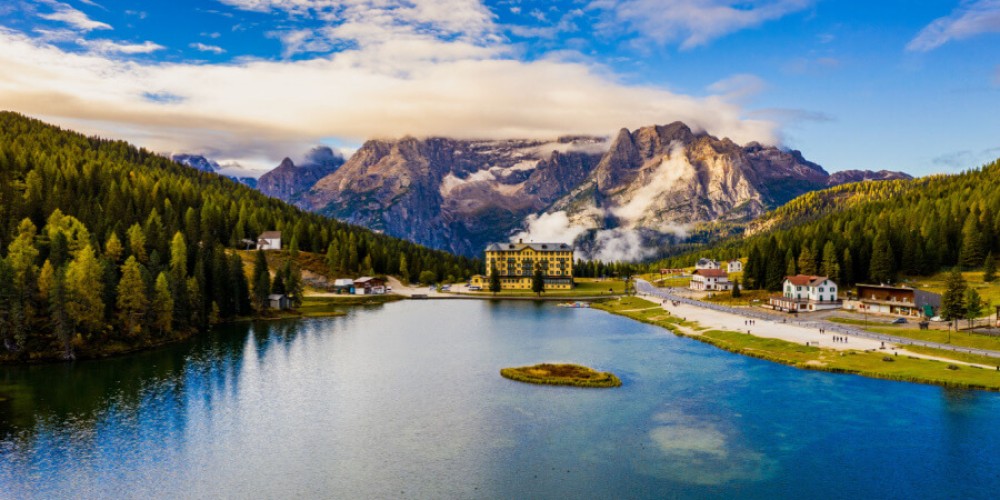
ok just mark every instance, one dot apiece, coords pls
pixel 561 374
pixel 875 364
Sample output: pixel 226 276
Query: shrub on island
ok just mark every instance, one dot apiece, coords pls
pixel 561 374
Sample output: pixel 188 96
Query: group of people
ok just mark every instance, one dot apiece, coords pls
pixel 839 339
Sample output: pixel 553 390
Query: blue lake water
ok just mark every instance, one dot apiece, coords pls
pixel 405 401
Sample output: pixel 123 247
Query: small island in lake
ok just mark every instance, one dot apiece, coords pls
pixel 561 374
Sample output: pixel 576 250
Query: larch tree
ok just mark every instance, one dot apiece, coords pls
pixel 132 300
pixel 85 290
pixel 163 305
pixel 807 262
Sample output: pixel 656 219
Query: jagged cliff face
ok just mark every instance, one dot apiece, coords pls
pixel 288 181
pixel 451 194
pixel 632 191
pixel 666 177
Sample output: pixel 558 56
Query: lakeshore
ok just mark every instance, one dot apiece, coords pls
pixel 807 348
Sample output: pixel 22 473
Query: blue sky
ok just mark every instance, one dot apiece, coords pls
pixel 911 86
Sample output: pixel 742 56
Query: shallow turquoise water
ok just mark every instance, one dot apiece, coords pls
pixel 405 400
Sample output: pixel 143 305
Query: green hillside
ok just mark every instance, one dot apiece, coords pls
pixel 107 246
pixel 871 231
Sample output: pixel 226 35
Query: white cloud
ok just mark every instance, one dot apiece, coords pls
pixel 738 87
pixel 694 22
pixel 970 19
pixel 66 14
pixel 388 78
pixel 215 49
pixel 113 47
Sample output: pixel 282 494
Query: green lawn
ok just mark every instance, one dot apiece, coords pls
pixel 911 331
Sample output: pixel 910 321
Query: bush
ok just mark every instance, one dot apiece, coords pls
pixel 952 367
pixel 888 359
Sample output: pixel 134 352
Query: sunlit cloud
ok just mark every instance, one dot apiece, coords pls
pixel 374 71
pixel 215 49
pixel 66 14
pixel 693 22
pixel 968 20
pixel 113 47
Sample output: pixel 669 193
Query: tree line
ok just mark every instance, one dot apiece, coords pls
pixel 88 223
pixel 872 232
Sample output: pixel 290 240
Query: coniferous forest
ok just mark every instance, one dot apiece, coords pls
pixel 872 231
pixel 108 247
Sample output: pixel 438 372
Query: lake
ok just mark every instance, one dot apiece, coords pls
pixel 405 400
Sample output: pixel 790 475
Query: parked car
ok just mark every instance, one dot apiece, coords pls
pixel 475 288
pixel 899 321
pixel 445 288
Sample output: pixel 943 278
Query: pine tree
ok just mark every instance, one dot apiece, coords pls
pixel 775 266
pixel 847 269
pixel 791 269
pixel 538 282
pixel 972 250
pixel 278 286
pixel 404 272
pixel 973 305
pixel 62 323
pixel 261 282
pixel 953 299
pixel 881 267
pixel 333 261
pixel 736 288
pixel 830 267
pixel 753 271
pixel 293 283
pixel 989 269
pixel 495 285
pixel 132 301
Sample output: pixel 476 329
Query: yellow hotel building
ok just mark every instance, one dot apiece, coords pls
pixel 516 264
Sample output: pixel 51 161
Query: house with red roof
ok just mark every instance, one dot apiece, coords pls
pixel 806 293
pixel 710 280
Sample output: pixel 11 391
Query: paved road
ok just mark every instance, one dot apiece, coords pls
pixel 645 287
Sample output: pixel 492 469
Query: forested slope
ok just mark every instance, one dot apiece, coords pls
pixel 872 231
pixel 107 244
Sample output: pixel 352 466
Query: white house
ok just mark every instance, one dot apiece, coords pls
pixel 269 240
pixel 734 266
pixel 710 279
pixel 806 293
pixel 707 264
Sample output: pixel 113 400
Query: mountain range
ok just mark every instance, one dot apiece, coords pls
pixel 618 198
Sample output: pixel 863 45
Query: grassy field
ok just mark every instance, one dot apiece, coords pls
pixel 561 374
pixel 870 364
pixel 911 331
pixel 990 292
pixel 585 287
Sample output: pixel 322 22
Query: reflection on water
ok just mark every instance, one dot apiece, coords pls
pixel 405 400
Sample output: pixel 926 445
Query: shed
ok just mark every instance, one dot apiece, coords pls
pixel 278 301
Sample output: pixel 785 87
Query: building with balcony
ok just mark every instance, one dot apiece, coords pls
pixel 895 300
pixel 710 280
pixel 516 264
pixel 806 293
